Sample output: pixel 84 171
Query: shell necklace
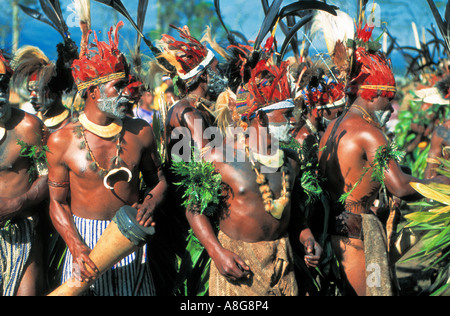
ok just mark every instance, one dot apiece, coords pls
pixel 271 206
pixel 112 130
pixel 55 120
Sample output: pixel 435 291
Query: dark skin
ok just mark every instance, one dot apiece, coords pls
pixel 89 198
pixel 439 140
pixel 185 114
pixel 250 223
pixel 351 143
pixel 304 134
pixel 19 197
pixel 48 106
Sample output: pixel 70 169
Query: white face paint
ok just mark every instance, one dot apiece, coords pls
pixel 281 131
pixel 382 117
pixel 114 107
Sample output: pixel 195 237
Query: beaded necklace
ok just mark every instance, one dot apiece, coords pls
pixel 271 206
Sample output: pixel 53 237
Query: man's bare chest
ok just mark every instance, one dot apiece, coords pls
pixel 10 158
pixel 92 156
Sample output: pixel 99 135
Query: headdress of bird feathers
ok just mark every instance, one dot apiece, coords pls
pixel 105 64
pixel 31 64
pixel 360 63
pixel 319 87
pixel 189 56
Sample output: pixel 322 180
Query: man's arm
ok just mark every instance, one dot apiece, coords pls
pixel 397 182
pixel 435 152
pixel 313 251
pixel 228 263
pixel 60 212
pixel 38 191
pixel 152 172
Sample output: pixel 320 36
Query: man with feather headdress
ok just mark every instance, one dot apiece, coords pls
pixel 23 187
pixel 46 82
pixel 197 82
pixel 357 162
pixel 252 254
pixel 100 159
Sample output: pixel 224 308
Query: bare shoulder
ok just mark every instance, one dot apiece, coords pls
pixel 28 120
pixel 139 128
pixel 62 138
pixel 29 126
pixel 357 130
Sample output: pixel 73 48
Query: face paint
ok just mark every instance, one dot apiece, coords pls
pixel 281 131
pixel 113 107
pixel 382 117
pixel 217 83
pixel 43 104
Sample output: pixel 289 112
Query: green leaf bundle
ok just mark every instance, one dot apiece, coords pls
pixel 201 182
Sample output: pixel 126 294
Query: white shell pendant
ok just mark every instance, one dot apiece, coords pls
pixel 113 172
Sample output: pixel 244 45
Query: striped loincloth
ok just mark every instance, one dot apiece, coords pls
pixel 129 277
pixel 271 264
pixel 15 246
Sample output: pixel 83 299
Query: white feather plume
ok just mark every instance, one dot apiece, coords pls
pixel 83 9
pixel 340 27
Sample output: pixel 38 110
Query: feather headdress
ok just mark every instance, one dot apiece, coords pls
pixel 320 90
pixel 83 9
pixel 189 56
pixel 268 85
pixel 335 29
pixel 366 68
pixel 31 65
pixel 105 64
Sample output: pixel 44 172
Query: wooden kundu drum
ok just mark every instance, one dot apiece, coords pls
pixel 123 236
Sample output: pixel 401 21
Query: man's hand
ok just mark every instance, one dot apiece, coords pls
pixel 145 211
pixel 313 252
pixel 230 265
pixel 84 269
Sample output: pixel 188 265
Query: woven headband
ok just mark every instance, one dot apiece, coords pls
pixel 381 88
pixel 95 82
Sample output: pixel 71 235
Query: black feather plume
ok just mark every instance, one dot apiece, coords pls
pixel 38 16
pixel 268 23
pixel 52 10
pixel 443 25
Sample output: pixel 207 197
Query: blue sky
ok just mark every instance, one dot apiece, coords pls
pixel 242 15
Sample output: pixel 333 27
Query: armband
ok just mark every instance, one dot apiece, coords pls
pixel 58 184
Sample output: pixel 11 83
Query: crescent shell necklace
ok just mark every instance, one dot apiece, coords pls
pixel 112 130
